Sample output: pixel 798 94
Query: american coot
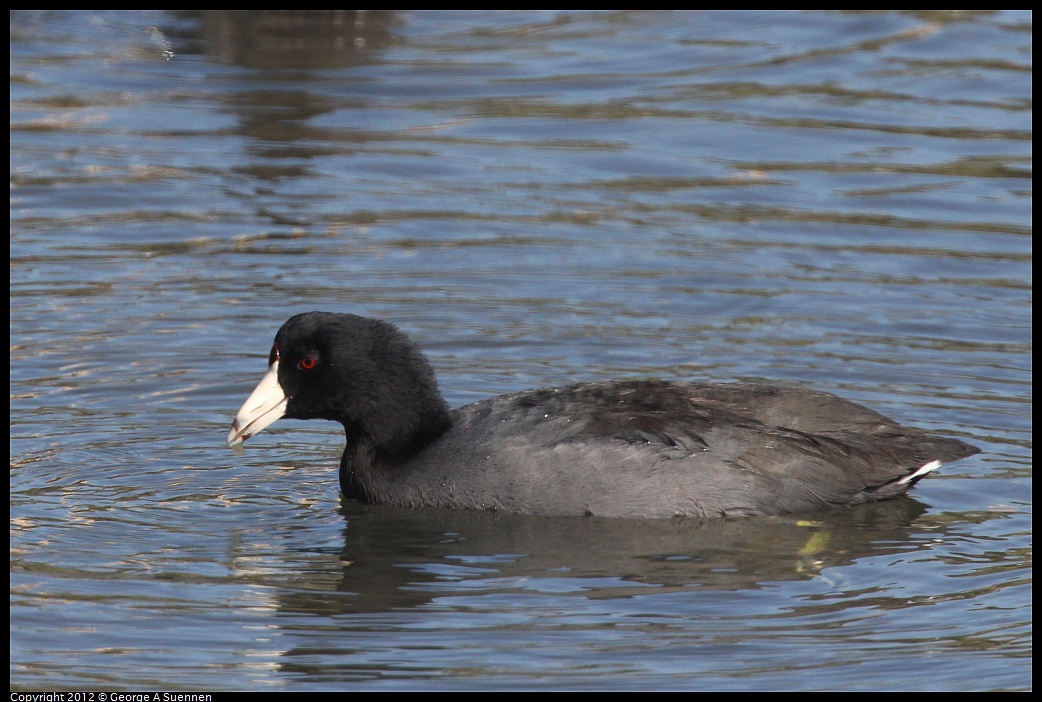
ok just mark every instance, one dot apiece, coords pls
pixel 621 448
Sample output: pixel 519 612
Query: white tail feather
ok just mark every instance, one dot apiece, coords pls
pixel 929 467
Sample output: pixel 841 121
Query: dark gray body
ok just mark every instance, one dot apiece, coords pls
pixel 640 448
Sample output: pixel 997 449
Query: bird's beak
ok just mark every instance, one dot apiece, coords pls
pixel 265 405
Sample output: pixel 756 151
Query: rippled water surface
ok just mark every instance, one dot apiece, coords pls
pixel 836 200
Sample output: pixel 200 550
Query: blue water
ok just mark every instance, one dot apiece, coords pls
pixel 836 200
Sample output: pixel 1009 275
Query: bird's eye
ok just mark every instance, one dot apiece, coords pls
pixel 309 362
pixel 274 355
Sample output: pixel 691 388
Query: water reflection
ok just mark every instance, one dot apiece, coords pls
pixel 404 558
pixel 293 39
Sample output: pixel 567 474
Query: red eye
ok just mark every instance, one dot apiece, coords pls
pixel 274 355
pixel 308 362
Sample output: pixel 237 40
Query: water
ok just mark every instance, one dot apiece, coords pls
pixel 841 200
